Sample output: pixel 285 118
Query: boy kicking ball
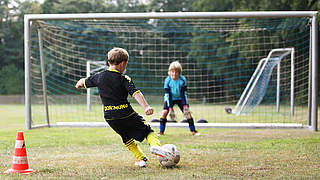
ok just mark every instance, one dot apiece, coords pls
pixel 114 88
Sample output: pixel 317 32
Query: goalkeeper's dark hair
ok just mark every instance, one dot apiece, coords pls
pixel 117 55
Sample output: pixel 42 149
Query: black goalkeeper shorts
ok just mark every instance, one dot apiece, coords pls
pixel 174 102
pixel 132 127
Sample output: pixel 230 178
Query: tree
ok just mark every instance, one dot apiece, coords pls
pixel 12 80
pixel 274 5
pixel 47 6
pixel 212 5
pixel 11 43
pixel 128 6
pixel 94 6
pixel 170 5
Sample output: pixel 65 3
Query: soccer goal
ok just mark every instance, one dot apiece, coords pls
pixel 219 52
pixel 258 84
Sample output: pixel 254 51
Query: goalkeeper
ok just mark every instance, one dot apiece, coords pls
pixel 175 87
pixel 114 88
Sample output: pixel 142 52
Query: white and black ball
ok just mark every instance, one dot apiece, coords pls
pixel 175 156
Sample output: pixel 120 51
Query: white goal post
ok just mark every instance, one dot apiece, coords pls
pixel 61 48
pixel 247 101
pixel 93 67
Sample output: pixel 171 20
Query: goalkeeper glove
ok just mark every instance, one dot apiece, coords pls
pixel 172 115
pixel 186 112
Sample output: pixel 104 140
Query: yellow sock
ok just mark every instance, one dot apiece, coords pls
pixel 153 140
pixel 135 149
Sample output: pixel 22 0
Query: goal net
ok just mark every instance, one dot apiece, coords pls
pixel 218 56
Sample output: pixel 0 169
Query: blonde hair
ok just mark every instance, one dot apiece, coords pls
pixel 117 55
pixel 175 65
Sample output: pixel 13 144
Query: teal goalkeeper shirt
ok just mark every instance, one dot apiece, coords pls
pixel 175 90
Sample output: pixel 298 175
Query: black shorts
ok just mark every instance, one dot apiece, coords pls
pixel 132 127
pixel 174 102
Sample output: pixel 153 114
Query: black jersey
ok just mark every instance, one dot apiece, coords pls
pixel 114 88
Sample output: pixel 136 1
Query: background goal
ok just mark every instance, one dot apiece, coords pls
pixel 257 86
pixel 219 53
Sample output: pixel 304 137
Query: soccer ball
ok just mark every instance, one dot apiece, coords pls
pixel 175 156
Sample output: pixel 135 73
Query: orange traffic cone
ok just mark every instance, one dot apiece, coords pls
pixel 20 161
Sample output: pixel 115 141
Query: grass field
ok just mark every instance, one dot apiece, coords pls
pixel 97 153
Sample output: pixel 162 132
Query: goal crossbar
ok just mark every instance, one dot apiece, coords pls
pixel 157 15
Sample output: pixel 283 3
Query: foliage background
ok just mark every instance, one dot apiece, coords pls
pixel 12 16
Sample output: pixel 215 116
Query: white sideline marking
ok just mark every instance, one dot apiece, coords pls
pixel 182 125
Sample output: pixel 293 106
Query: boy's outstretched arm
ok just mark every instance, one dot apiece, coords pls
pixel 140 98
pixel 80 83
